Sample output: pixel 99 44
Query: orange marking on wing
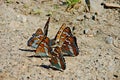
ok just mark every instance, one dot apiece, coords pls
pixel 36 38
pixel 62 63
pixel 57 50
pixel 70 39
pixel 60 57
pixel 57 56
pixel 62 38
pixel 41 38
pixel 44 44
pixel 65 46
pixel 66 32
pixel 75 51
pixel 73 45
pixel 39 32
pixel 57 37
pixel 54 60
pixel 46 40
pixel 32 41
pixel 40 48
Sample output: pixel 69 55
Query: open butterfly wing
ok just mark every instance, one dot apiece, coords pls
pixel 70 47
pixel 57 60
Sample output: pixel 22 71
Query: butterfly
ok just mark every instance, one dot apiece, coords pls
pixel 36 38
pixel 57 60
pixel 65 39
pixel 40 41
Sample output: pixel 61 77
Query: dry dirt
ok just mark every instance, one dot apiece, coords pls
pixel 97 32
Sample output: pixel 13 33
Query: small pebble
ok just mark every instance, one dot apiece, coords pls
pixel 24 19
pixel 109 40
pixel 96 13
pixel 21 18
pixel 116 76
pixel 73 28
pixel 0 70
pixel 90 35
pixel 93 17
pixel 35 11
pixel 28 77
pixel 86 31
pixel 17 2
pixel 87 16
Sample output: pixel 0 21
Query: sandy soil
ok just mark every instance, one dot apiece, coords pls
pixel 97 32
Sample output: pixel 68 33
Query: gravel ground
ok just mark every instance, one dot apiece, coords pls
pixel 97 32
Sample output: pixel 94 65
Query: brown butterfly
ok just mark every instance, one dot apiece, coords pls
pixel 36 38
pixel 57 60
pixel 40 41
pixel 66 41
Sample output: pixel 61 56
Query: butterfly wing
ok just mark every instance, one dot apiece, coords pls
pixel 43 48
pixel 57 37
pixel 46 27
pixel 66 33
pixel 69 47
pixel 36 38
pixel 61 35
pixel 57 60
pixel 67 41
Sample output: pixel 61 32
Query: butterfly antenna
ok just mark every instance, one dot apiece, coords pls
pixel 46 27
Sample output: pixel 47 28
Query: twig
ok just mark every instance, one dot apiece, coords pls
pixel 110 5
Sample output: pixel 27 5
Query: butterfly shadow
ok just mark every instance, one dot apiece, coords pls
pixel 32 56
pixel 35 56
pixel 28 50
pixel 48 67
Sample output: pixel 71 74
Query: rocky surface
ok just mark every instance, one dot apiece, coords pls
pixel 97 32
